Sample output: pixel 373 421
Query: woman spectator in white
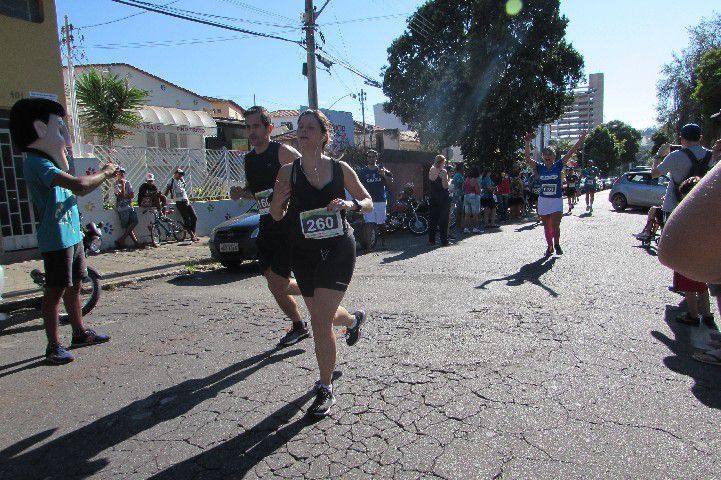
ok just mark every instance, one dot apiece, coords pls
pixel 176 187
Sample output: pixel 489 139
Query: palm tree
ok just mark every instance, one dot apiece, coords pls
pixel 108 105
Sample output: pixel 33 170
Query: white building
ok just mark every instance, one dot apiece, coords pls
pixel 284 121
pixel 585 113
pixel 387 120
pixel 174 116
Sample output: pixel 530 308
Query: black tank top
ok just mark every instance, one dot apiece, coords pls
pixel 438 193
pixel 261 169
pixel 305 196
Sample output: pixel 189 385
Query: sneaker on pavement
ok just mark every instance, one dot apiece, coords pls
pixel 559 251
pixel 295 335
pixel 58 355
pixel 324 401
pixel 466 230
pixel 88 337
pixel 476 230
pixel 642 236
pixel 353 334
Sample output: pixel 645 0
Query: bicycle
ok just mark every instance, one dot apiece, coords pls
pixel 163 227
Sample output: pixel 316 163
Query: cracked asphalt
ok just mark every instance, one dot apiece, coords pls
pixel 481 360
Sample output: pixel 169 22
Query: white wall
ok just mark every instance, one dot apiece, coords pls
pixel 210 214
pixel 387 120
pixel 277 121
pixel 161 93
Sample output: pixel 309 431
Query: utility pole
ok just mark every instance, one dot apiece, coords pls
pixel 362 99
pixel 68 39
pixel 310 47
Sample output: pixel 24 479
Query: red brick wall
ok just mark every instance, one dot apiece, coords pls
pixel 404 173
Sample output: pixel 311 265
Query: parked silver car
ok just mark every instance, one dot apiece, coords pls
pixel 637 189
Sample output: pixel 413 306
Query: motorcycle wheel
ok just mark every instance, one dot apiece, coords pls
pixel 155 235
pixel 393 223
pixel 89 295
pixel 419 225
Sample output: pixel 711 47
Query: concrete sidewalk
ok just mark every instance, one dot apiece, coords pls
pixel 116 267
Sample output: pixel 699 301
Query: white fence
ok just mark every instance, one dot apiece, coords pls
pixel 209 174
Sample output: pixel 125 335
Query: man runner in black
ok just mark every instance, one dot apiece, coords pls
pixel 261 168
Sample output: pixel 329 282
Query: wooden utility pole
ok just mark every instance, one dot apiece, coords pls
pixel 68 39
pixel 310 46
pixel 363 114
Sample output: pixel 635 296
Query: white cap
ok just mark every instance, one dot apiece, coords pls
pixel 150 177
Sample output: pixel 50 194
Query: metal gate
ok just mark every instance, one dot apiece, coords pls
pixel 17 219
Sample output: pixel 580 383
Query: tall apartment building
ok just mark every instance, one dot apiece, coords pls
pixel 585 113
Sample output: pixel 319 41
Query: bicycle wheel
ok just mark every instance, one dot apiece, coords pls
pixel 155 235
pixel 179 231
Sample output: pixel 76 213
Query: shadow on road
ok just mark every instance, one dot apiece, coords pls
pixel 236 457
pixel 26 365
pixel 73 455
pixel 530 226
pixel 531 273
pixel 585 215
pixel 216 277
pixel 687 340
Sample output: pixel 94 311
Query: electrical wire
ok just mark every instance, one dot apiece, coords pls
pixel 256 9
pixel 365 19
pixel 122 18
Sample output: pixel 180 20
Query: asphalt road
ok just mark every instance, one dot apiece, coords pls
pixel 480 360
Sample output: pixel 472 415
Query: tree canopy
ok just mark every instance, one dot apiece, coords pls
pixel 628 136
pixel 484 76
pixel 675 90
pixel 708 87
pixel 603 148
pixel 108 105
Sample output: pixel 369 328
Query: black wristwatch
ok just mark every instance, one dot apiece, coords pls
pixel 356 204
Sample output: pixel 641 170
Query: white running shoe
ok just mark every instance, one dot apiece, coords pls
pixel 475 230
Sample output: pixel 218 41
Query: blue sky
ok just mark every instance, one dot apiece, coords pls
pixel 628 41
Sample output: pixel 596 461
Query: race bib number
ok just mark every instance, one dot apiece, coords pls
pixel 263 199
pixel 320 223
pixel 549 190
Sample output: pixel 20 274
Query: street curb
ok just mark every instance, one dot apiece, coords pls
pixel 35 300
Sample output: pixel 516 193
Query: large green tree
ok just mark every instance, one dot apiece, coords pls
pixel 628 136
pixel 708 88
pixel 603 149
pixel 108 105
pixel 675 90
pixel 483 76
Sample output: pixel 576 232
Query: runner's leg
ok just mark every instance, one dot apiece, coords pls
pixel 323 307
pixel 555 221
pixel 282 288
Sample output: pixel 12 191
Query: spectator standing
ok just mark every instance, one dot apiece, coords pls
pixel 488 200
pixel 124 207
pixel 176 187
pixel 37 126
pixel 149 195
pixel 504 193
pixel 376 180
pixel 457 199
pixel 515 200
pixel 439 201
pixel 472 201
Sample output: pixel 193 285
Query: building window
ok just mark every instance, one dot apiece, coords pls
pixel 288 125
pixel 150 139
pixel 183 141
pixel 161 141
pixel 29 10
pixel 173 140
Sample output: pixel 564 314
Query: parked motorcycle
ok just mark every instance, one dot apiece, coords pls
pixel 404 215
pixel 90 291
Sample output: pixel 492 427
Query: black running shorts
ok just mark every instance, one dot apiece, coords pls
pixel 274 253
pixel 328 266
pixel 64 268
pixel 570 191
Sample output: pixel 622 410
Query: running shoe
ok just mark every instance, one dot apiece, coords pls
pixel 590 209
pixel 643 236
pixel 549 252
pixel 58 355
pixel 587 207
pixel 298 332
pixel 475 230
pixel 324 401
pixel 559 251
pixel 88 337
pixel 466 230
pixel 353 334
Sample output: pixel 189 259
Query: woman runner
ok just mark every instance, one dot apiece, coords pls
pixel 311 191
pixel 550 198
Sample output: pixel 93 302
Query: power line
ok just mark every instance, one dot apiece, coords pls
pixel 365 19
pixel 256 9
pixel 157 9
pixel 122 18
pixel 168 43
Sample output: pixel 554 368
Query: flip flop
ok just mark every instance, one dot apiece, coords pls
pixel 711 357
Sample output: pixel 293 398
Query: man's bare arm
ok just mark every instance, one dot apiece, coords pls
pixel 87 183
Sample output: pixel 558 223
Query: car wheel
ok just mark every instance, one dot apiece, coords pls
pixel 619 202
pixel 231 265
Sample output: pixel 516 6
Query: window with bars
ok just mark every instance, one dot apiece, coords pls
pixel 150 139
pixel 173 140
pixel 182 140
pixel 161 141
pixel 29 10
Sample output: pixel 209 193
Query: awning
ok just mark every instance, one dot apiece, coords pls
pixel 180 118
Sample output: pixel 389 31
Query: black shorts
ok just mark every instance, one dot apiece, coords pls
pixel 274 253
pixel 64 268
pixel 328 266
pixel 513 201
pixel 488 202
pixel 570 191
